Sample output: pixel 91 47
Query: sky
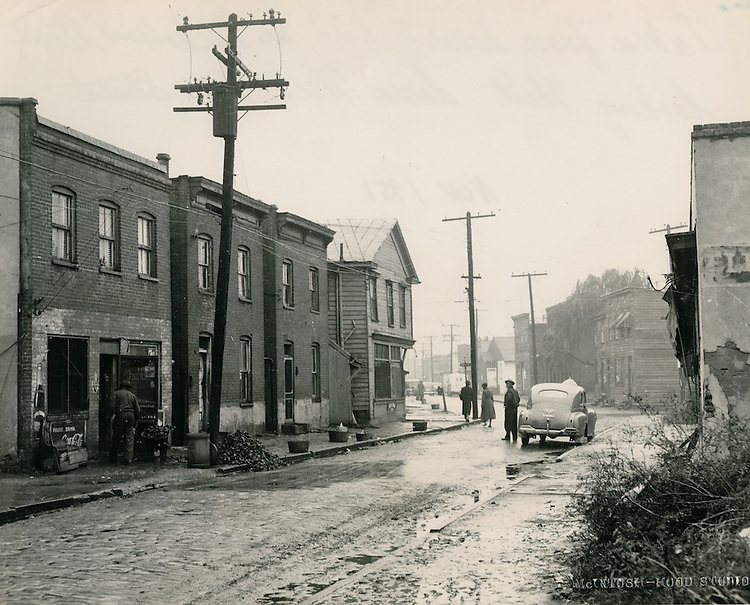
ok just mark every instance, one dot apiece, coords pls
pixel 569 121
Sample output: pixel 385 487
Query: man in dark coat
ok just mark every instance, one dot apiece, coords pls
pixel 512 399
pixel 127 411
pixel 467 398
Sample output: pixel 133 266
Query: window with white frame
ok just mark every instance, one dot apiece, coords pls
pixel 63 216
pixel 146 246
pixel 205 263
pixel 287 283
pixel 243 273
pixel 246 364
pixel 389 303
pixel 389 375
pixel 402 306
pixel 314 278
pixel 108 236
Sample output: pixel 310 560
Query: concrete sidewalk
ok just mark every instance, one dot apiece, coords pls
pixel 22 496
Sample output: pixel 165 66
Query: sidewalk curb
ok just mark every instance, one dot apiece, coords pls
pixel 343 449
pixel 25 511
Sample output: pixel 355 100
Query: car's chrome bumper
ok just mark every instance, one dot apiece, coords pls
pixel 568 431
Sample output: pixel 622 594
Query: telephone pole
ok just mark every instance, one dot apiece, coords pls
pixel 225 97
pixel 533 331
pixel 472 327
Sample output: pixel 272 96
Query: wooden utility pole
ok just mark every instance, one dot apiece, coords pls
pixel 452 338
pixel 472 327
pixel 225 106
pixel 534 374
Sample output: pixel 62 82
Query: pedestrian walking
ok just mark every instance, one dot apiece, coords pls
pixel 512 399
pixel 126 415
pixel 420 391
pixel 488 406
pixel 467 397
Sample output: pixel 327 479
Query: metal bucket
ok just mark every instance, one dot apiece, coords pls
pixel 198 450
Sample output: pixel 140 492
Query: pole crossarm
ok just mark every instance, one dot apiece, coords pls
pixel 185 27
pixel 239 108
pixel 209 86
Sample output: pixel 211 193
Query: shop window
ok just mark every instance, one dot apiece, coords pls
pixel 389 375
pixel 67 379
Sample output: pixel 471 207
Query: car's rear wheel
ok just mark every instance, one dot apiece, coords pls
pixel 524 440
pixel 542 438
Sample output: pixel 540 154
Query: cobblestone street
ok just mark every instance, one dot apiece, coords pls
pixel 355 528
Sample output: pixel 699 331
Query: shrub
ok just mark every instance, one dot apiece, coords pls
pixel 673 522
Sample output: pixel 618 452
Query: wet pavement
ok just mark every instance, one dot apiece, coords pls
pixel 23 495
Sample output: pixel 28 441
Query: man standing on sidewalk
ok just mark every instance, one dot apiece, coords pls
pixel 512 399
pixel 467 397
pixel 127 411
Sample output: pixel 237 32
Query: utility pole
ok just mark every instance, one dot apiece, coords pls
pixel 451 336
pixel 472 327
pixel 432 365
pixel 533 331
pixel 225 97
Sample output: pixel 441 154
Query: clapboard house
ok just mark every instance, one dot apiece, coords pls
pixel 370 279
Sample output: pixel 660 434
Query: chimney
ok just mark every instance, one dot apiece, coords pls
pixel 163 160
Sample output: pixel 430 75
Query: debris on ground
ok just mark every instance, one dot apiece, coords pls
pixel 241 447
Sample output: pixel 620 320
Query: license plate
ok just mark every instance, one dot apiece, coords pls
pixel 548 413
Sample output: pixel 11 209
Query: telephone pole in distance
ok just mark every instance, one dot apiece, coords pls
pixel 533 331
pixel 472 327
pixel 225 97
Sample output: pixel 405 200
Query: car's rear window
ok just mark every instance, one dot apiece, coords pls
pixel 552 394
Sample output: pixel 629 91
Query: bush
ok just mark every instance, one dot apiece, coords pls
pixel 673 523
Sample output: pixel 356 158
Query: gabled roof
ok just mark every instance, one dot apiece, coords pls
pixel 359 240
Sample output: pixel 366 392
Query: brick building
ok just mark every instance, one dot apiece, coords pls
pixel 295 281
pixel 195 226
pixel 86 263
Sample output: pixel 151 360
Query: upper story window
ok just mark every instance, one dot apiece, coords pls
pixel 287 283
pixel 402 306
pixel 109 245
pixel 389 302
pixel 146 246
pixel 63 219
pixel 373 291
pixel 205 263
pixel 314 289
pixel 243 273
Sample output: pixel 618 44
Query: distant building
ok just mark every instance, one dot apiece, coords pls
pixel 499 362
pixel 371 275
pixel 522 337
pixel 633 350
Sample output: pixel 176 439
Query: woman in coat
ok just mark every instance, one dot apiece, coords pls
pixel 488 406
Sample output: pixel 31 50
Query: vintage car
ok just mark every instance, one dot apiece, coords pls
pixel 557 409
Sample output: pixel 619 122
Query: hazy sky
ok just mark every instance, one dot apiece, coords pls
pixel 569 120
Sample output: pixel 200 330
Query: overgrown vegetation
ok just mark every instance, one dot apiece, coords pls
pixel 666 530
